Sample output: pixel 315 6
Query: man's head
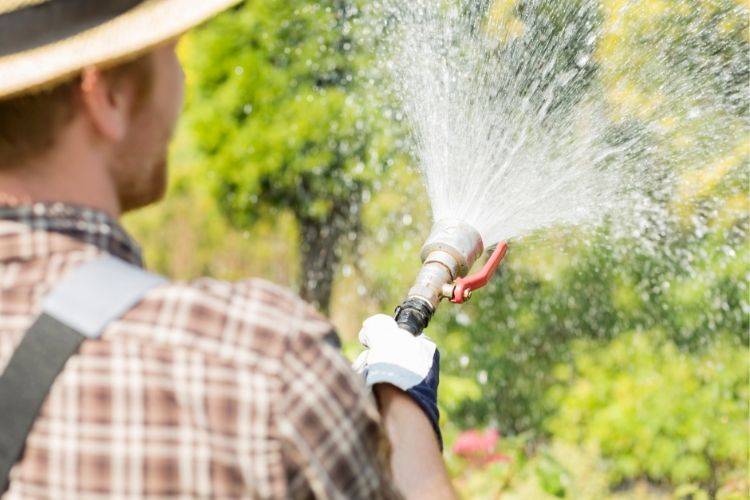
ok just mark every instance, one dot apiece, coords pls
pixel 119 118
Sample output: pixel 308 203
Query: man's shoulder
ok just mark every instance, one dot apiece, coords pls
pixel 251 321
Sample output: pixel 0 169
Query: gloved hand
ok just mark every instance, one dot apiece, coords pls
pixel 394 356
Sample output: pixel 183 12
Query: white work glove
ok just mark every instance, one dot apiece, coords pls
pixel 395 356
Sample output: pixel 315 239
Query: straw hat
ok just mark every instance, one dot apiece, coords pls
pixel 44 41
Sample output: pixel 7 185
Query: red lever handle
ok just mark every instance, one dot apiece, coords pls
pixel 464 286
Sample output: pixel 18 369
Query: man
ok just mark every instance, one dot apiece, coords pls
pixel 202 389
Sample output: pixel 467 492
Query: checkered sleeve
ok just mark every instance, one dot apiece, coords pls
pixel 333 443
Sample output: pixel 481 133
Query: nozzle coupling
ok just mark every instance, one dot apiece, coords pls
pixel 449 252
pixel 414 314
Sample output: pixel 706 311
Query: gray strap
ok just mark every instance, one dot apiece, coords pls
pixel 30 373
pixel 98 292
pixel 79 307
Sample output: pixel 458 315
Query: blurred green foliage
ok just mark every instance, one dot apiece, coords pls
pixel 277 114
pixel 520 327
pixel 655 411
pixel 614 361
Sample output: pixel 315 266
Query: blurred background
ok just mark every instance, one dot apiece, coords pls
pixel 599 363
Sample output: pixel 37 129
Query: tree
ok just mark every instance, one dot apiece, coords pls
pixel 275 105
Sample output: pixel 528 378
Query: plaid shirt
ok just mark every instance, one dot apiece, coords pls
pixel 204 389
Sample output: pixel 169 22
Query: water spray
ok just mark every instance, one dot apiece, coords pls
pixel 447 256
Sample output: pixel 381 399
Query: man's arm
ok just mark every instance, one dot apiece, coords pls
pixel 416 462
pixel 404 372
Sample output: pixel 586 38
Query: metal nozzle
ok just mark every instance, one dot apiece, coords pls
pixel 449 252
pixel 459 240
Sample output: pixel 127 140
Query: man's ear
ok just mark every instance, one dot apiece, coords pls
pixel 107 106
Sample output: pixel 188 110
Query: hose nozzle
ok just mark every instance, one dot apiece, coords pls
pixel 447 256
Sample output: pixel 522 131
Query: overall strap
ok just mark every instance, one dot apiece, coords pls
pixel 77 308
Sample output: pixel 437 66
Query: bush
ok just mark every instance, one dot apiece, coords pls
pixel 656 412
pixel 554 292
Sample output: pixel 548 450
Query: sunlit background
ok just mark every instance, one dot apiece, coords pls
pixel 606 361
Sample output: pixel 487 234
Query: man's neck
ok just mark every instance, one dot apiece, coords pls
pixel 71 173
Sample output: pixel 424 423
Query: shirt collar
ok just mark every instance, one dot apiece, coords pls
pixel 86 225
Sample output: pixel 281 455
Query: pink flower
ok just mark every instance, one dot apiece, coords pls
pixel 479 447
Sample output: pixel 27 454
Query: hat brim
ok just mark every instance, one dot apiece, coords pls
pixel 119 39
